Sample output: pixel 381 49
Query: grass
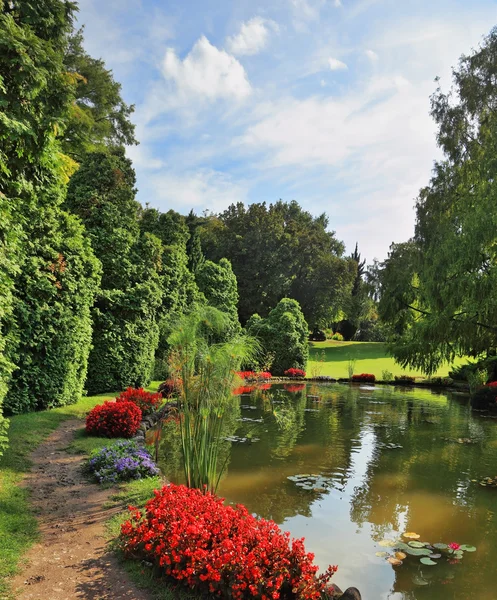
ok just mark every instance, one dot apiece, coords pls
pixel 18 524
pixel 332 358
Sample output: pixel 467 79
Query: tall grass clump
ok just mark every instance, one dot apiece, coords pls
pixel 204 371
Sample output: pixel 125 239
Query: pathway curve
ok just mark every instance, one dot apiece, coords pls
pixel 72 559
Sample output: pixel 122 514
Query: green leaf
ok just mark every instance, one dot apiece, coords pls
pixel 467 548
pixel 427 561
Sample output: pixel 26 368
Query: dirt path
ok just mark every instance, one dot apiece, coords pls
pixel 72 560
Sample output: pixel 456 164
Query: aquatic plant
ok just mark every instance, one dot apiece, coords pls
pixel 222 550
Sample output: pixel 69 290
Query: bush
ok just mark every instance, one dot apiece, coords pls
pixel 338 337
pixel 295 373
pixel 146 401
pixel 364 377
pixel 170 388
pixel 405 379
pixel 223 550
pixel 386 375
pixel 317 336
pixel 114 419
pixel 122 461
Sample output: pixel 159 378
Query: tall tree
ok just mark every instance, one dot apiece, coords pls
pixel 357 304
pixel 98 116
pixel 439 288
pixel 46 318
pixel 276 251
pixel 125 329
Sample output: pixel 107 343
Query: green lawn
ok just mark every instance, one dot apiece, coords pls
pixel 332 358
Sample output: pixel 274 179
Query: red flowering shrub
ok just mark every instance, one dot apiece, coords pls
pixel 364 377
pixel 146 401
pixel 492 384
pixel 170 388
pixel 222 550
pixel 114 419
pixel 264 375
pixel 246 374
pixel 295 373
pixel 294 387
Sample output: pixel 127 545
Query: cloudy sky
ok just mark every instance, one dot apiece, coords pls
pixel 321 101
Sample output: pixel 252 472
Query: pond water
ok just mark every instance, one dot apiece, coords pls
pixel 388 460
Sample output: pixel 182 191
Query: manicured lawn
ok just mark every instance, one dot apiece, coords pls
pixel 332 358
pixel 18 526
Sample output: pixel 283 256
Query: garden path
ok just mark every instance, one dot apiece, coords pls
pixel 72 559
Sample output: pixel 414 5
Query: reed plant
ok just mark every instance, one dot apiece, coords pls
pixel 205 371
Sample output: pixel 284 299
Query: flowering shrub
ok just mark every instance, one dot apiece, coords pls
pixel 264 375
pixel 295 373
pixel 170 388
pixel 294 387
pixel 121 462
pixel 365 377
pixel 217 549
pixel 405 378
pixel 114 419
pixel 146 401
pixel 246 374
pixel 492 384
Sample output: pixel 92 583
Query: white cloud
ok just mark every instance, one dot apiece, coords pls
pixel 206 73
pixel 371 54
pixel 336 65
pixel 252 38
pixel 202 189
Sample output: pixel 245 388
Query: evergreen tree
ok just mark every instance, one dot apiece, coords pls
pixel 125 328
pixel 45 320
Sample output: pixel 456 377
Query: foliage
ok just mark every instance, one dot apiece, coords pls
pixel 114 419
pixel 386 375
pixel 338 337
pixel 170 388
pixel 276 251
pixel 125 329
pixel 217 549
pixel 283 333
pixel 438 288
pixel 294 373
pixel 218 284
pixel 357 305
pixel 205 372
pixel 404 378
pixel 98 117
pixel 364 377
pixel 351 366
pixel 146 401
pixel 252 375
pixel 484 398
pixel 122 461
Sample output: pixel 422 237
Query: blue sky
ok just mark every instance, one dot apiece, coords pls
pixel 321 101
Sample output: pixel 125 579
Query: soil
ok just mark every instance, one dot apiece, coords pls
pixel 72 559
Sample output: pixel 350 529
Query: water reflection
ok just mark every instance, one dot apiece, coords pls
pixel 394 461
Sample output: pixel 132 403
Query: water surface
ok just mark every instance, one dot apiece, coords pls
pixel 392 461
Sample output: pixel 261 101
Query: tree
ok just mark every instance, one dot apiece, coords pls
pixel 218 284
pixel 48 292
pixel 98 117
pixel 438 289
pixel 357 304
pixel 276 251
pixel 125 328
pixel 283 336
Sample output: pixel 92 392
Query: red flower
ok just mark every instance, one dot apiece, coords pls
pixel 295 373
pixel 114 419
pixel 146 401
pixel 454 546
pixel 193 537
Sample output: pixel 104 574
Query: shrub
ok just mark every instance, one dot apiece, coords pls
pixel 317 336
pixel 264 375
pixel 492 384
pixel 114 419
pixel 386 375
pixel 122 461
pixel 338 337
pixel 364 377
pixel 170 388
pixel 405 378
pixel 146 401
pixel 246 374
pixel 295 373
pixel 223 550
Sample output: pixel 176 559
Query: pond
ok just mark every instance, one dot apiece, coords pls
pixel 384 461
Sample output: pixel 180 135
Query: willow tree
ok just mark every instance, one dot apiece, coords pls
pixel 206 375
pixel 439 289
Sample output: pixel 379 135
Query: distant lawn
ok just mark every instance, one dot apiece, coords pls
pixel 332 358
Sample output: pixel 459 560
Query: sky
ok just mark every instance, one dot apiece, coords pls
pixel 321 101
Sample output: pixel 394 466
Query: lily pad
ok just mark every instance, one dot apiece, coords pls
pixel 394 561
pixel 387 543
pixel 435 556
pixel 467 548
pixel 418 551
pixel 400 555
pixel 440 546
pixel 417 544
pixel 427 561
pixel 381 554
pixel 418 580
pixel 411 536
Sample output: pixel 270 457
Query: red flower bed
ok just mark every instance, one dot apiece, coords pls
pixel 294 387
pixel 220 549
pixel 492 384
pixel 364 377
pixel 264 375
pixel 114 419
pixel 146 401
pixel 246 374
pixel 295 373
